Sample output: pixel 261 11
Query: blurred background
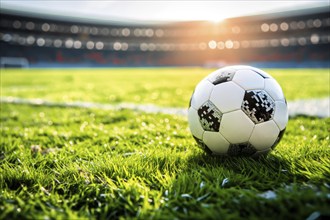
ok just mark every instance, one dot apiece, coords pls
pixel 271 34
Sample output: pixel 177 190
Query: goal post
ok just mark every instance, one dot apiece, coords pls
pixel 14 62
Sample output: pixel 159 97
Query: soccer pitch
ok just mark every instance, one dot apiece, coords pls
pixel 79 163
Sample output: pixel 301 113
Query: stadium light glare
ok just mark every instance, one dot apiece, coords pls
pixel 21 40
pixel 149 32
pixel 264 27
pixel 17 24
pixel 301 25
pixel 159 33
pixel 99 45
pixel 137 32
pixel 273 27
pixel 151 46
pixel 30 40
pixel 57 43
pixel 212 44
pixel 315 38
pixel 125 32
pixel 124 46
pixel 310 23
pixel 143 32
pixel 7 37
pixel 317 23
pixel 69 43
pixel 40 42
pixel 285 42
pixel 77 44
pixel 284 26
pixel 143 46
pixel 293 25
pixel 45 27
pixel 229 44
pixel 90 45
pixel 74 29
pixel 105 31
pixel 30 25
pixel 236 45
pixel 117 46
pixel 221 45
pixel 94 31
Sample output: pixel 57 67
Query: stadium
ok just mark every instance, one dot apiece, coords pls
pixel 290 39
pixel 95 115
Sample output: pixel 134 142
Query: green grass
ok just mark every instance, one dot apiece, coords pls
pixel 155 85
pixel 72 163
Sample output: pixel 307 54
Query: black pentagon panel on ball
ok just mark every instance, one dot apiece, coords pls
pixel 209 116
pixel 244 149
pixel 224 76
pixel 278 139
pixel 258 106
pixel 202 145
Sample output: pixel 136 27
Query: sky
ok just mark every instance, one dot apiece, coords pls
pixel 157 10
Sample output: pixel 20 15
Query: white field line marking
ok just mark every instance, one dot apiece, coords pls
pixel 308 107
pixel 148 108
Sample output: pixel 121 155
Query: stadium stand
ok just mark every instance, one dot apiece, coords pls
pixel 292 39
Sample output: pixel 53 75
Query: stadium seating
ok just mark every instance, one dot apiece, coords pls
pixel 292 39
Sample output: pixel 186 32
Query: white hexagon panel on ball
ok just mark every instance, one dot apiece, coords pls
pixel 248 79
pixel 261 72
pixel 257 70
pixel 215 142
pixel 274 89
pixel 281 115
pixel 201 94
pixel 236 127
pixel 264 135
pixel 227 96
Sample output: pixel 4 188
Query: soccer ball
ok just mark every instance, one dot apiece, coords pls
pixel 238 111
